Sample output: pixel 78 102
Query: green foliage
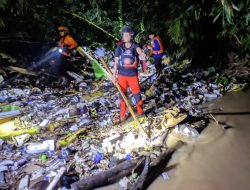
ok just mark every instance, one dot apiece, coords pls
pixel 246 42
pixel 120 13
pixel 223 79
pixel 223 9
pixel 185 26
pixel 3 4
pixel 234 22
pixel 18 7
pixel 2 7
pixel 175 31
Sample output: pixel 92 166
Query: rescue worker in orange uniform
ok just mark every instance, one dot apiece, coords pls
pixel 157 50
pixel 127 57
pixel 66 44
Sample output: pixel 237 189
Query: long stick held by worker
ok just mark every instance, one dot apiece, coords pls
pixel 98 70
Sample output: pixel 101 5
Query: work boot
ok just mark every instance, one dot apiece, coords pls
pixel 119 120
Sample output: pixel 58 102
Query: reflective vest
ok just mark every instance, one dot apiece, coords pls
pixel 128 59
pixel 160 44
pixel 69 42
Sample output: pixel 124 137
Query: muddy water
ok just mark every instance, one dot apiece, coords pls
pixel 219 159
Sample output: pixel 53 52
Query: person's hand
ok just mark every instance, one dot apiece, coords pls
pixel 144 67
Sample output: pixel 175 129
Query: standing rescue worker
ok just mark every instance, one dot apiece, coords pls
pixel 127 57
pixel 66 44
pixel 157 50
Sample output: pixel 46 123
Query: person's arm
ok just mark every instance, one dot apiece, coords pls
pixel 70 42
pixel 115 69
pixel 117 55
pixel 142 57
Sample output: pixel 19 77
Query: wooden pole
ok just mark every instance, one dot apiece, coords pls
pixel 83 53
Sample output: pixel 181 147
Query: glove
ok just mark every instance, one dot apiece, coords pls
pixel 142 57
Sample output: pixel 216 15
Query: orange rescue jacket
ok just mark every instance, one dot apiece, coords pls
pixel 69 42
pixel 160 44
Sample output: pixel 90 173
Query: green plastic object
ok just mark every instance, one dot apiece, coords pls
pixel 9 108
pixel 43 157
pixel 99 73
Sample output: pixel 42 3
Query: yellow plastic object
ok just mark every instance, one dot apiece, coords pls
pixel 150 91
pixel 166 61
pixel 133 123
pixel 93 95
pixel 7 130
pixel 93 111
pixel 147 148
pixel 31 131
pixel 53 126
pixel 238 87
pixel 70 138
pixel 172 121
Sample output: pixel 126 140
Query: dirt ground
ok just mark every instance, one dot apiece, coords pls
pixel 220 158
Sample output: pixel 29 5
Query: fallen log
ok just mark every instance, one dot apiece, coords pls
pixel 20 70
pixel 139 182
pixel 107 177
pixel 152 170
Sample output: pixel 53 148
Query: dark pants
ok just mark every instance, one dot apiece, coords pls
pixel 60 66
pixel 158 63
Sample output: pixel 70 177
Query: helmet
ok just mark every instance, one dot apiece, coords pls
pixel 63 28
pixel 127 29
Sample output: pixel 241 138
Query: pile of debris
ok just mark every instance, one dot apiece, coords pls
pixel 64 137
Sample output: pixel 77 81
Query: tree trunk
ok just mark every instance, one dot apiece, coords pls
pixel 107 177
